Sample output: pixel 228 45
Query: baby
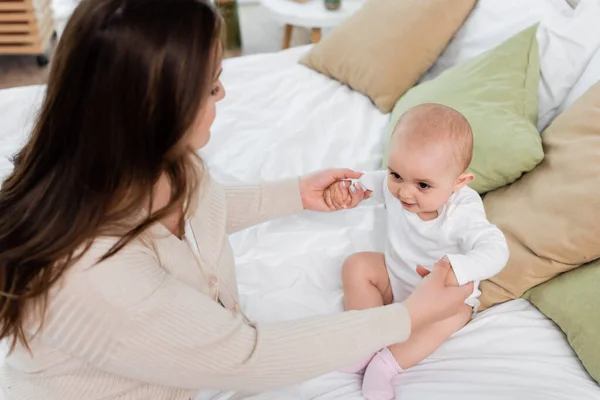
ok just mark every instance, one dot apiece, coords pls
pixel 432 216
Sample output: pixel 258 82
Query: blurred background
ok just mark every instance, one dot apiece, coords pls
pixel 253 26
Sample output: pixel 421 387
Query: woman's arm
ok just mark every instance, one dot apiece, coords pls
pixel 250 205
pixel 129 317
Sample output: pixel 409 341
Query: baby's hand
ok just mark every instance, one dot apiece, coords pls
pixel 344 194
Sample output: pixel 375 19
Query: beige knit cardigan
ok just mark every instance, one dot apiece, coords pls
pixel 157 322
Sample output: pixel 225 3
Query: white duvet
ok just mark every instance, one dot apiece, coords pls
pixel 281 119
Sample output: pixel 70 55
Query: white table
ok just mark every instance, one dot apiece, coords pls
pixel 311 14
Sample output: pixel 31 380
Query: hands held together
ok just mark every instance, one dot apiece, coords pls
pixel 332 190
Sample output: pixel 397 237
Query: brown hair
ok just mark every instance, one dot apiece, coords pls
pixel 128 80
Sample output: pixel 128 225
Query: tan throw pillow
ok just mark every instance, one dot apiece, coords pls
pixel 383 49
pixel 551 216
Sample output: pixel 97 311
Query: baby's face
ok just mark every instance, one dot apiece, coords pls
pixel 422 176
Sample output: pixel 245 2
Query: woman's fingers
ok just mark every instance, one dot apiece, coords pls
pixel 432 300
pixel 345 173
pixel 467 290
pixel 440 270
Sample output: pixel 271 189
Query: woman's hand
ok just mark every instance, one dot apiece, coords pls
pixel 432 300
pixel 451 279
pixel 314 193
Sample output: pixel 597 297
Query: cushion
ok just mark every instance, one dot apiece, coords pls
pixel 550 216
pixel 571 300
pixel 497 93
pixel 563 34
pixel 383 49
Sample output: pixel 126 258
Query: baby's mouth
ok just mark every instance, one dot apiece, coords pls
pixel 407 205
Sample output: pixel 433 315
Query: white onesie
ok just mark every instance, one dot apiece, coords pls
pixel 476 248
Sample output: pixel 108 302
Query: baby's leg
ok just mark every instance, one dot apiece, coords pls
pixel 378 381
pixel 366 285
pixel 366 281
pixel 425 341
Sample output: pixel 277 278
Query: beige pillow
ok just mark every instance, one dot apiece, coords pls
pixel 551 216
pixel 383 49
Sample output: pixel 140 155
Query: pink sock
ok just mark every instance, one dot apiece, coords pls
pixel 358 367
pixel 377 383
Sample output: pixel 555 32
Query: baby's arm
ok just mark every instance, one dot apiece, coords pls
pixel 375 181
pixel 485 252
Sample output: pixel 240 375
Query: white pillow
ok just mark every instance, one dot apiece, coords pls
pixel 590 77
pixel 566 45
pixel 567 40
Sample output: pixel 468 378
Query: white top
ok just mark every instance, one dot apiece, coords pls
pixel 311 14
pixel 190 238
pixel 476 248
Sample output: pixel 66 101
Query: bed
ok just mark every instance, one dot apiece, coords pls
pixel 281 119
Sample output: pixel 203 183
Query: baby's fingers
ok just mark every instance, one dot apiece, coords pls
pixel 338 194
pixel 357 192
pixel 328 200
pixel 344 196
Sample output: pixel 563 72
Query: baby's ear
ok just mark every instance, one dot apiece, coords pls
pixel 464 179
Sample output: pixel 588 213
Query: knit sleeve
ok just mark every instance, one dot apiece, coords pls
pixel 129 317
pixel 250 205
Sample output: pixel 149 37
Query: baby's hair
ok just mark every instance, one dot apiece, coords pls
pixel 437 123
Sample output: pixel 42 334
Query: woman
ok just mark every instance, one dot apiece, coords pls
pixel 116 273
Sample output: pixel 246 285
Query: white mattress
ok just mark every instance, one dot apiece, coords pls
pixel 281 119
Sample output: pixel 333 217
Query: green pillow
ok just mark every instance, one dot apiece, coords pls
pixel 497 92
pixel 571 300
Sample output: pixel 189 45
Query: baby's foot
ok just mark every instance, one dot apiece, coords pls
pixel 377 383
pixel 358 367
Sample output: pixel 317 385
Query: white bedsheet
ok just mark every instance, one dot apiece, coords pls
pixel 281 119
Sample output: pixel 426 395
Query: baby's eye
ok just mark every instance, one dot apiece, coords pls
pixel 396 176
pixel 423 185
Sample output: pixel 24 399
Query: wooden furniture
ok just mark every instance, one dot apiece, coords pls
pixel 311 14
pixel 26 27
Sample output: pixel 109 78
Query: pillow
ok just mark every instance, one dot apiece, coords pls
pixel 567 40
pixel 571 300
pixel 385 47
pixel 550 216
pixel 497 93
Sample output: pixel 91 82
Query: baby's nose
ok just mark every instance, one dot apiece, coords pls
pixel 404 193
